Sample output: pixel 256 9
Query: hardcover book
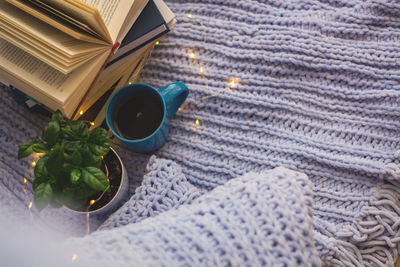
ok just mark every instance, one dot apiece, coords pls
pixel 152 24
pixel 155 20
pixel 53 50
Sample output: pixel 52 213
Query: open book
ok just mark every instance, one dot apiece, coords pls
pixel 152 24
pixel 96 112
pixel 53 50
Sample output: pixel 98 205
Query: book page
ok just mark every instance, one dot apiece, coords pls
pixel 131 75
pixel 112 73
pixel 57 22
pixel 108 9
pixel 44 53
pixel 114 13
pixel 42 35
pixel 11 54
pixel 133 15
pixel 164 10
pixel 5 82
pixel 76 12
pixel 43 82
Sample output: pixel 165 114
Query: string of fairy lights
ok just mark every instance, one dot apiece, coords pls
pixel 199 67
pixel 231 83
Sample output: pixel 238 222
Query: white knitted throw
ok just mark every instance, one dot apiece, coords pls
pixel 254 220
pixel 316 88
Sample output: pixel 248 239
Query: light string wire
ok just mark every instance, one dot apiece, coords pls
pixel 24 184
pixel 198 67
pixel 188 106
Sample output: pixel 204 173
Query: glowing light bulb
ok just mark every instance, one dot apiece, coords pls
pixel 92 201
pixel 179 109
pixel 129 83
pixel 157 42
pixel 33 163
pixel 30 205
pixel 233 82
pixel 192 55
pixel 189 15
pixel 197 122
pixel 81 112
pixel 92 123
pixel 102 157
pixel 25 180
pixel 201 69
pixel 74 257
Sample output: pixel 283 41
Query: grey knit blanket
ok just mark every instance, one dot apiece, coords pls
pixel 258 219
pixel 310 85
pixel 255 220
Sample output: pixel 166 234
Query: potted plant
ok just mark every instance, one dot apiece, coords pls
pixel 78 169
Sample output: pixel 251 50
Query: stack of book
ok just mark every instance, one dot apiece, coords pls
pixel 68 54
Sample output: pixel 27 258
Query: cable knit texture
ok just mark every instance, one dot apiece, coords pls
pixel 255 220
pixel 317 90
pixel 164 187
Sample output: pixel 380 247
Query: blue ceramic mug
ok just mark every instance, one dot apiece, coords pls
pixel 171 97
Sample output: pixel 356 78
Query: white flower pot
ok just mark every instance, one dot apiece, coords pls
pixel 120 190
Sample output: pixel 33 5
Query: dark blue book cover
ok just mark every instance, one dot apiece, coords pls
pixel 149 26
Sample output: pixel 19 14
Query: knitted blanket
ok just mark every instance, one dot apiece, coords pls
pixel 254 220
pixel 310 85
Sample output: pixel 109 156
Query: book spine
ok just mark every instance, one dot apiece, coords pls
pixel 77 112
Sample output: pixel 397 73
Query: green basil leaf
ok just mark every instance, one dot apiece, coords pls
pixel 70 145
pixel 38 148
pixel 51 133
pixel 68 133
pixel 68 158
pixel 57 116
pixel 55 161
pixel 43 195
pixel 39 181
pixel 76 158
pixel 99 141
pixel 40 171
pixel 26 149
pixel 75 130
pixel 75 175
pixel 89 159
pixel 67 167
pixel 95 178
pixel 99 150
pixel 79 127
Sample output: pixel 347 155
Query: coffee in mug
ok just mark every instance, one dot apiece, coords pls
pixel 138 116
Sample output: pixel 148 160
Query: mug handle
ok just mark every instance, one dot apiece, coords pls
pixel 174 94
